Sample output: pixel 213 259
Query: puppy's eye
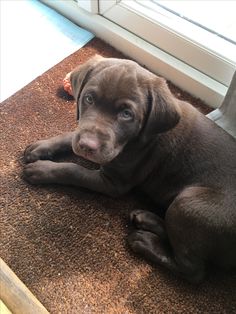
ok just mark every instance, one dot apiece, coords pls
pixel 88 99
pixel 126 114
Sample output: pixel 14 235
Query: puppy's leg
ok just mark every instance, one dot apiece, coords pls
pixel 148 221
pixel 47 149
pixel 160 252
pixel 192 228
pixel 47 171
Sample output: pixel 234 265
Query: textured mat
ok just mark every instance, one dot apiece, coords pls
pixel 68 245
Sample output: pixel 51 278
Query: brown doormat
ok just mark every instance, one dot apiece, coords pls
pixel 68 245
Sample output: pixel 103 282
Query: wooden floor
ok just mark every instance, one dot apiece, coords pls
pixel 4 309
pixel 15 297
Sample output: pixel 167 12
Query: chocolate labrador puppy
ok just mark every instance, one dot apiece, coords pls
pixel 142 136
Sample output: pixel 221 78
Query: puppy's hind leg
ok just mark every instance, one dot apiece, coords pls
pixel 157 251
pixel 183 250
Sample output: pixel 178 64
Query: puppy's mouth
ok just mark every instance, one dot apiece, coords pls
pixel 98 158
pixel 86 155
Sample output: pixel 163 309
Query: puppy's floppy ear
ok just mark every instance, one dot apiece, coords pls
pixel 163 111
pixel 80 75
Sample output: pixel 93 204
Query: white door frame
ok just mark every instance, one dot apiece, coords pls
pixel 193 45
pixel 183 76
pixel 159 62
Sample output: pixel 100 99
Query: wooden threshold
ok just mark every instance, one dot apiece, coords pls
pixel 15 297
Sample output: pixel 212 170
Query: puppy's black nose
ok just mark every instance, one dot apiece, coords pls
pixel 87 144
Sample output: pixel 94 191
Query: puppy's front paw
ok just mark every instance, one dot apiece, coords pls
pixel 38 150
pixel 40 172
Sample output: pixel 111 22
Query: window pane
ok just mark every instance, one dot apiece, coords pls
pixel 217 17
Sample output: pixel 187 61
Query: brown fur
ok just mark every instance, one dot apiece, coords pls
pixel 130 124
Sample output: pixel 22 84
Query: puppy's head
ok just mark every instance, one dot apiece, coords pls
pixel 118 101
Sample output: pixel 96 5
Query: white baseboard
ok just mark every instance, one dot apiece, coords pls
pixel 181 74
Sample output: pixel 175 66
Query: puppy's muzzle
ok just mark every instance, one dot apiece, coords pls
pixel 88 144
pixel 97 143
